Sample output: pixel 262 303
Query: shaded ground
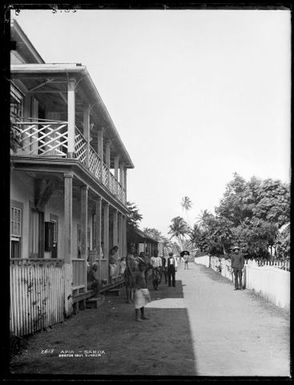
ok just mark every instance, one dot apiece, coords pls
pixel 201 327
pixel 127 347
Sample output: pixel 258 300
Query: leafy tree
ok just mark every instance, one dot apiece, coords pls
pixel 282 246
pixel 134 217
pixel 178 229
pixel 153 233
pixel 186 206
pixel 195 235
pixel 255 209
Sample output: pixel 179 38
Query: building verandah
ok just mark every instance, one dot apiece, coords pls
pixel 64 217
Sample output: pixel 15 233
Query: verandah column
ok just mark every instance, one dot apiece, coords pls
pixel 121 254
pixel 98 217
pixel 71 110
pixel 87 125
pixel 84 230
pixel 125 184
pixel 106 236
pixel 100 150
pixel 115 228
pixel 122 179
pixel 107 161
pixel 124 235
pixel 116 166
pixel 68 276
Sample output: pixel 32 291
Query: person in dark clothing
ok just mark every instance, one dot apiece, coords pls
pixel 164 268
pixel 171 270
pixel 92 279
pixel 142 295
pixel 237 264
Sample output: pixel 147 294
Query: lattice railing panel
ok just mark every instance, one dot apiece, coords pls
pixel 43 138
pixel 80 147
pixel 105 175
pixel 95 164
pixel 112 184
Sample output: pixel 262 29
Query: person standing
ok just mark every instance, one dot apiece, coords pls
pixel 129 274
pixel 142 295
pixel 156 270
pixel 164 268
pixel 171 269
pixel 93 279
pixel 113 264
pixel 237 264
pixel 186 260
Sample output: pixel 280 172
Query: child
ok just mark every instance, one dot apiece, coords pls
pixel 142 295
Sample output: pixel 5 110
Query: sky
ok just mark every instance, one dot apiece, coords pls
pixel 195 95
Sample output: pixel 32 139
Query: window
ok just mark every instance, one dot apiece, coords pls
pixel 16 104
pixel 16 213
pixel 36 234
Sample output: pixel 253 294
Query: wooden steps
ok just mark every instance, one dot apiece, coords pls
pixel 94 302
pixel 112 286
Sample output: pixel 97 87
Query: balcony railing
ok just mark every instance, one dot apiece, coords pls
pixel 50 139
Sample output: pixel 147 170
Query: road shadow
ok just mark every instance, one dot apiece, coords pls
pixel 213 275
pixel 159 347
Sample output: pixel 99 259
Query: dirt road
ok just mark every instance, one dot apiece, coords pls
pixel 201 327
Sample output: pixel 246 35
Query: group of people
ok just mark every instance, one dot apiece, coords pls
pixel 136 269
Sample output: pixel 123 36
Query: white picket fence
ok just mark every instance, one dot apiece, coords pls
pixel 204 260
pixel 269 281
pixel 36 296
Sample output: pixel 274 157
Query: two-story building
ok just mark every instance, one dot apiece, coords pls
pixel 69 176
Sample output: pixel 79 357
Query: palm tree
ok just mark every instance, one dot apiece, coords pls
pixel 204 218
pixel 195 235
pixel 186 206
pixel 179 229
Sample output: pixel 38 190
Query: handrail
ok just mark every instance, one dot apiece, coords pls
pixel 49 137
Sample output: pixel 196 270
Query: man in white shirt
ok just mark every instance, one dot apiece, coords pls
pixel 156 261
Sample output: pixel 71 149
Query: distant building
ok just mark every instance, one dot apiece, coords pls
pixel 142 242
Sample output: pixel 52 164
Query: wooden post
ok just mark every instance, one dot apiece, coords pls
pixel 100 150
pixel 107 160
pixel 121 174
pixel 27 114
pixel 116 166
pixel 35 115
pixel 87 134
pixel 115 228
pixel 124 235
pixel 98 232
pixel 68 180
pixel 106 234
pixel 125 184
pixel 84 229
pixel 119 235
pixel 71 117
